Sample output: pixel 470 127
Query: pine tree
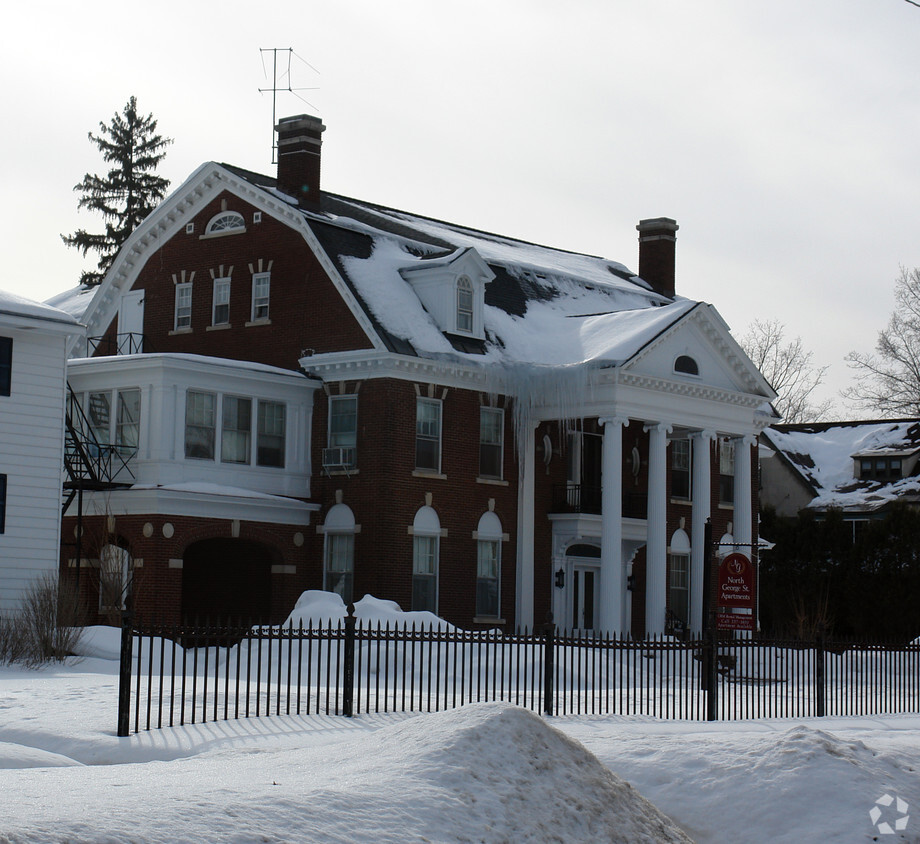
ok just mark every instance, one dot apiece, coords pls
pixel 128 192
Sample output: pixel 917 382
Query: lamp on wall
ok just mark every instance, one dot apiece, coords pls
pixel 560 578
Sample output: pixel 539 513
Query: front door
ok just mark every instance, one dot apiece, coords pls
pixel 585 594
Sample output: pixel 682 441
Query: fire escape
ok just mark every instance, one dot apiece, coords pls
pixel 89 464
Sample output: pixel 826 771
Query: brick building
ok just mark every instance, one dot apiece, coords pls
pixel 313 392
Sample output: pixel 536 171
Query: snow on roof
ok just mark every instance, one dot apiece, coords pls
pixel 74 301
pixel 823 455
pixel 18 306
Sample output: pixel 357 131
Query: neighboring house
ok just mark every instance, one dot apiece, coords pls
pixel 312 391
pixel 33 356
pixel 857 468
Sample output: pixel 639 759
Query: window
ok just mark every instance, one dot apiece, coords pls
pixel 487 569
pixel 343 430
pixel 680 469
pixel 340 561
pixel 183 318
pixel 426 530
pixel 116 575
pixel 270 438
pixel 2 503
pixel 726 472
pixel 880 468
pixel 128 420
pixel 491 430
pixel 100 417
pixel 200 418
pixel 428 434
pixel 227 221
pixel 686 365
pixel 220 314
pixel 261 282
pixel 236 430
pixel 6 365
pixel 679 588
pixel 464 304
pixel 425 573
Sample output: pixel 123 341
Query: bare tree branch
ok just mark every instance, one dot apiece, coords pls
pixel 888 382
pixel 789 369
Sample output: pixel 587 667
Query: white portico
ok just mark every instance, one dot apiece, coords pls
pixel 689 406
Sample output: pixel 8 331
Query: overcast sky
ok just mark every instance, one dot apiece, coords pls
pixel 783 136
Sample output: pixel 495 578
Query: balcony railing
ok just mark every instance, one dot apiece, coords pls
pixel 120 344
pixel 582 498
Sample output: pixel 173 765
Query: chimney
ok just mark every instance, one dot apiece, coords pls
pixel 657 242
pixel 299 143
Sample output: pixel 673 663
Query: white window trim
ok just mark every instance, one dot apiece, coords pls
pixel 257 277
pixel 440 406
pixel 465 286
pixel 220 284
pixel 180 289
pixel 501 443
pixel 209 231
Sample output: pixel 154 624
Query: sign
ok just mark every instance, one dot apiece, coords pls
pixel 734 621
pixel 736 583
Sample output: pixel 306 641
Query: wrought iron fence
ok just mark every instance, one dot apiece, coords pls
pixel 176 675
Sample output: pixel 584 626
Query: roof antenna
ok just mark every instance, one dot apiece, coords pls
pixel 282 83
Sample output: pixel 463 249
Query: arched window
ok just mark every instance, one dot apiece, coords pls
pixel 226 222
pixel 686 365
pixel 464 304
pixel 116 575
pixel 488 566
pixel 339 552
pixel 426 536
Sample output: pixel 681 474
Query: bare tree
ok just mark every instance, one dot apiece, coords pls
pixel 888 382
pixel 789 368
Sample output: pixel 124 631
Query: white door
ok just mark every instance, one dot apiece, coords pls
pixel 131 323
pixel 585 596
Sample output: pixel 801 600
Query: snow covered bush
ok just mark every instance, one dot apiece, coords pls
pixel 12 640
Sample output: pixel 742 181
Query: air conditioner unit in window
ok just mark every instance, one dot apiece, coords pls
pixel 339 458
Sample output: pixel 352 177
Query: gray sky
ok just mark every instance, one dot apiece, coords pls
pixel 782 136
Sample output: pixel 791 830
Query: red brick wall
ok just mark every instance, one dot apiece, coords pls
pixel 305 310
pixel 385 495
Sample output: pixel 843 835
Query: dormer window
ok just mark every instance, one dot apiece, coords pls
pixel 227 222
pixel 880 468
pixel 464 304
pixel 686 365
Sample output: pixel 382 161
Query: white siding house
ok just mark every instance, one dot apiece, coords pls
pixel 33 342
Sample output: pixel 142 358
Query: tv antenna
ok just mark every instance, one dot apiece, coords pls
pixel 281 81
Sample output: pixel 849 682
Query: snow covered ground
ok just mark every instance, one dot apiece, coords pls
pixel 489 772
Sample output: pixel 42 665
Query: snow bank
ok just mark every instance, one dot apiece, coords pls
pixel 317 608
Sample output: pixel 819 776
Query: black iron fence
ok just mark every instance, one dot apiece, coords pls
pixel 176 675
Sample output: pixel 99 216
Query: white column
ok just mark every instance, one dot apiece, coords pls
pixel 702 441
pixel 742 516
pixel 525 525
pixel 656 547
pixel 613 572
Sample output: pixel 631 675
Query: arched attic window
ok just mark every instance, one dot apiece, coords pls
pixel 227 222
pixel 686 365
pixel 464 304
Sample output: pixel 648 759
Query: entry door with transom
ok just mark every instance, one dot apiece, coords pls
pixel 584 565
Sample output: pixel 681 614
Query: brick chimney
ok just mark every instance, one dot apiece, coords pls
pixel 299 143
pixel 657 242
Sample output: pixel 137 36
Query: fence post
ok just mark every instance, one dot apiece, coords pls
pixel 124 674
pixel 711 662
pixel 819 671
pixel 348 690
pixel 549 663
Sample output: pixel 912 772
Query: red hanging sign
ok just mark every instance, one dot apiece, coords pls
pixel 736 582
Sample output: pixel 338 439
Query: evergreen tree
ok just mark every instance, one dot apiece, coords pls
pixel 128 192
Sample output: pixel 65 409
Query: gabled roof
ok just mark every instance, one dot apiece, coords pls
pixel 822 454
pixel 544 306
